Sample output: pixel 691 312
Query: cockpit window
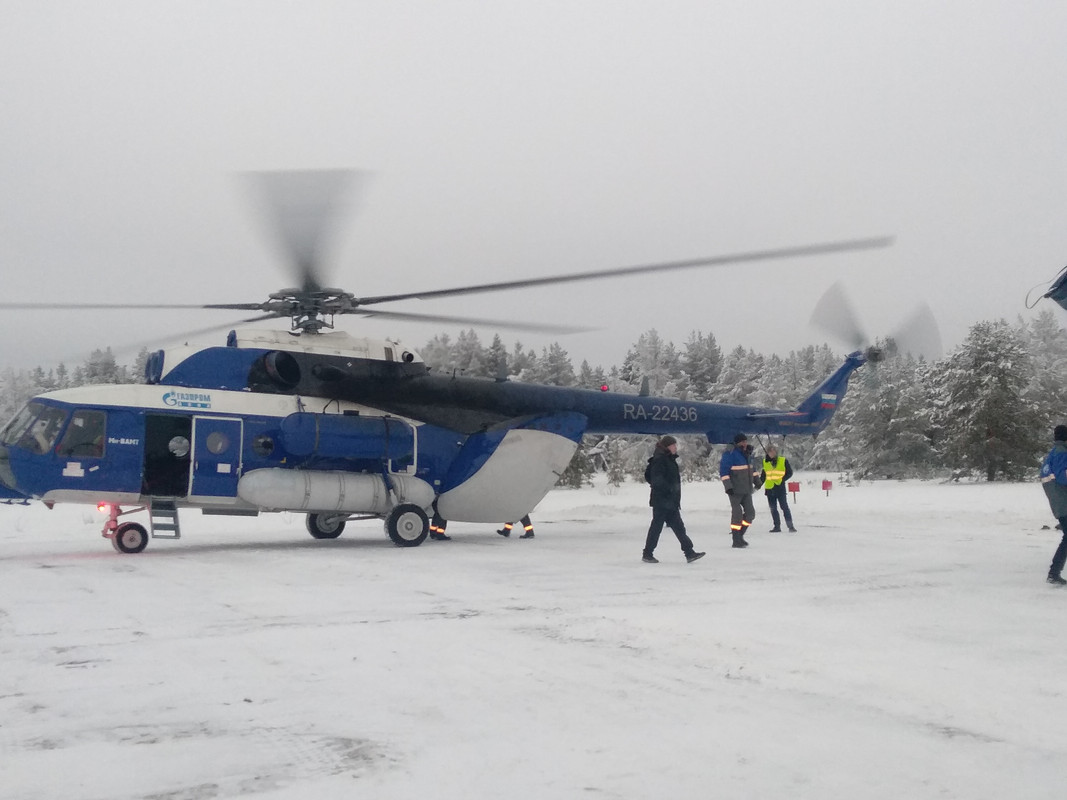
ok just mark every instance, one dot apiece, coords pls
pixel 43 432
pixel 13 430
pixel 85 434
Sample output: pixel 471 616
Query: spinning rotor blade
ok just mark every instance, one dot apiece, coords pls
pixel 188 334
pixel 83 306
pixel 519 326
pixel 715 261
pixel 301 208
pixel 920 335
pixel 834 315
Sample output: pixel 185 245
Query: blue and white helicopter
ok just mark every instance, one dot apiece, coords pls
pixel 336 427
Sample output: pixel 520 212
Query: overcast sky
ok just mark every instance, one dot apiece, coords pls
pixel 508 140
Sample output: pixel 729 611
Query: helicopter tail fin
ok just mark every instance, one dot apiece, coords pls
pixel 814 412
pixel 821 404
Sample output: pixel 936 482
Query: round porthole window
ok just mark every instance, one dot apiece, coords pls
pixel 217 442
pixel 179 446
pixel 263 445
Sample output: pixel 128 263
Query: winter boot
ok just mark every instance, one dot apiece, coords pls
pixel 690 557
pixel 504 532
pixel 527 535
pixel 441 537
pixel 1056 580
pixel 648 558
pixel 738 540
pixel 792 529
pixel 775 529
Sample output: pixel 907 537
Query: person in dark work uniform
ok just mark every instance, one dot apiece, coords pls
pixel 666 500
pixel 437 527
pixel 735 470
pixel 527 528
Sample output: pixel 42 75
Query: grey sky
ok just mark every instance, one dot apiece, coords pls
pixel 509 140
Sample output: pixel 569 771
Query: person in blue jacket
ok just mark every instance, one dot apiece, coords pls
pixel 1054 482
pixel 735 470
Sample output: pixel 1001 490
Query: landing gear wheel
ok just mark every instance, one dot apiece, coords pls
pixel 130 537
pixel 407 525
pixel 325 526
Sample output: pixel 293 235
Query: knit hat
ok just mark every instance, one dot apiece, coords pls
pixel 667 441
pixel 1060 434
pixel 740 438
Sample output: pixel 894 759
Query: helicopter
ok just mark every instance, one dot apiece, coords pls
pixel 337 427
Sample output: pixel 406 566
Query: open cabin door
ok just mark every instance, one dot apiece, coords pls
pixel 167 455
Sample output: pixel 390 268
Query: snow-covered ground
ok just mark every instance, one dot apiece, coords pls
pixel 903 644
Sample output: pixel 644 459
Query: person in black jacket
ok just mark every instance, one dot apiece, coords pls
pixel 666 500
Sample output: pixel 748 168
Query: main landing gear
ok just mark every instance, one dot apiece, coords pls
pixel 406 525
pixel 326 526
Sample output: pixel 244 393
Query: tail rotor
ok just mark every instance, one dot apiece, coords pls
pixel 835 315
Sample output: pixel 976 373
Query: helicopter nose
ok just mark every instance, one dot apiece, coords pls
pixel 7 479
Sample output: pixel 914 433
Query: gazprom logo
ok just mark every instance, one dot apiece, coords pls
pixel 187 399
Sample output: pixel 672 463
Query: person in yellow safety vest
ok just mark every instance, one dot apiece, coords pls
pixel 776 471
pixel 527 527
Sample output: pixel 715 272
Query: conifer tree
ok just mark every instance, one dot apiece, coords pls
pixel 701 364
pixel 1047 389
pixel 496 358
pixel 985 423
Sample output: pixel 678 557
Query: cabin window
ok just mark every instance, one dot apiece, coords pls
pixel 178 446
pixel 43 432
pixel 263 445
pixel 217 443
pixel 85 434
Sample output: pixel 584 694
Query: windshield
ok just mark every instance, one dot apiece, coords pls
pixel 13 430
pixel 35 428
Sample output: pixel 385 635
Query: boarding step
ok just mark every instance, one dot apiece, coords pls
pixel 163 516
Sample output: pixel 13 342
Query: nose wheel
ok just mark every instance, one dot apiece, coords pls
pixel 129 537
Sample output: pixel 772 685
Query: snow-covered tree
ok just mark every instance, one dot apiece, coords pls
pixel 983 421
pixel 652 358
pixel 554 367
pixel 437 353
pixel 739 377
pixel 1047 342
pixel 701 364
pixel 496 358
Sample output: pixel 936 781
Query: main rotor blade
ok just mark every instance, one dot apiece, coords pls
pixel 157 341
pixel 83 306
pixel 301 207
pixel 920 335
pixel 715 261
pixel 834 315
pixel 483 323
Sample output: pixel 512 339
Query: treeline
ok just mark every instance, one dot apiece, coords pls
pixel 985 410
